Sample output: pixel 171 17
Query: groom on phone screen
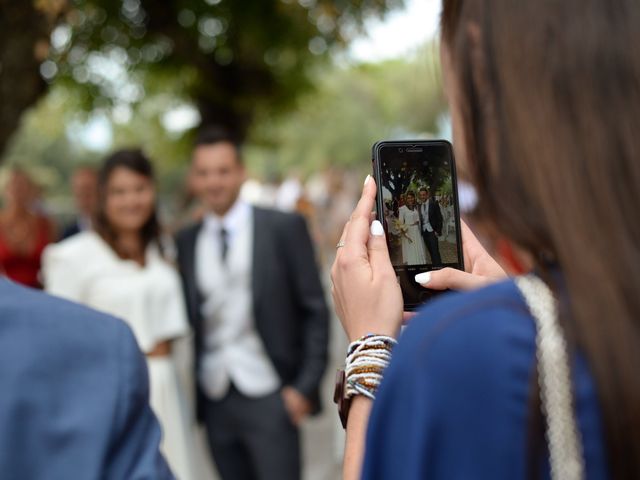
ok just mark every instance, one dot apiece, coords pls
pixel 258 311
pixel 431 224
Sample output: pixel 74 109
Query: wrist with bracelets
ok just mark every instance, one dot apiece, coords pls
pixel 366 360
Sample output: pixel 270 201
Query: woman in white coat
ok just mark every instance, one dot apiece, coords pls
pixel 413 248
pixel 121 268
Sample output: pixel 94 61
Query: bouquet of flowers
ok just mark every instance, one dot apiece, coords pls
pixel 402 229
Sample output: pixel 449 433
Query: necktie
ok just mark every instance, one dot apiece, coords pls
pixel 224 244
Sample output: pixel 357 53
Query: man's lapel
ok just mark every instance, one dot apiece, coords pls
pixel 190 265
pixel 260 234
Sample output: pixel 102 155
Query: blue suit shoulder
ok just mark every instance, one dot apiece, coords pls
pixel 56 319
pixel 76 377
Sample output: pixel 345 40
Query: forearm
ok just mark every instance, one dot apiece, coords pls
pixel 356 437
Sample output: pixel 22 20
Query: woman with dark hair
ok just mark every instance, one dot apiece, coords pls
pixel 545 99
pixel 121 268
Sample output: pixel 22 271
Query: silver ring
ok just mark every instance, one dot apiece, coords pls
pixel 340 244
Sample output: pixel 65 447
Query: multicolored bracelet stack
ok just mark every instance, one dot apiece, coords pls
pixel 366 360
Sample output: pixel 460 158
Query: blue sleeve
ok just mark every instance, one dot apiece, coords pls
pixel 453 402
pixel 400 431
pixel 136 434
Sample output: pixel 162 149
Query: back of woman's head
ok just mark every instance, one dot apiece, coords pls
pixel 546 96
pixel 136 161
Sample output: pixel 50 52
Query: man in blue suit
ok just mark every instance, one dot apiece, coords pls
pixel 73 394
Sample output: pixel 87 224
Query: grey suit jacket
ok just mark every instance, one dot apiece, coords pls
pixel 74 393
pixel 289 306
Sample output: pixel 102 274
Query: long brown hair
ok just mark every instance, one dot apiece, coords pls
pixel 549 98
pixel 136 161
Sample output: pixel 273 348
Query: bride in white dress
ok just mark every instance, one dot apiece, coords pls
pixel 413 249
pixel 120 269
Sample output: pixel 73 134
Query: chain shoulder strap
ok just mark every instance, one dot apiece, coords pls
pixel 563 436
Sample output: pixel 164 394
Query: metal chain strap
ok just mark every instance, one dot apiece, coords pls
pixel 563 436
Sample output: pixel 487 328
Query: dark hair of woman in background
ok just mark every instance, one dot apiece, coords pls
pixel 149 232
pixel 545 100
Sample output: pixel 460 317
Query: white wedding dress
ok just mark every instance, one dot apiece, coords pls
pixel 413 248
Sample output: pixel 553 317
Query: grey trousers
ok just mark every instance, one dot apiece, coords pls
pixel 252 438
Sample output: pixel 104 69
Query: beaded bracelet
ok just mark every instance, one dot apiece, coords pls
pixel 366 360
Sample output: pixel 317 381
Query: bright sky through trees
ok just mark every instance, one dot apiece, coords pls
pixel 400 33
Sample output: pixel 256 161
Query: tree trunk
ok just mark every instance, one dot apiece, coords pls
pixel 24 36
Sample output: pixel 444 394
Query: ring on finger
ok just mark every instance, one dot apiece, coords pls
pixel 340 244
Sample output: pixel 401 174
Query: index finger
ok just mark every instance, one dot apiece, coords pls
pixel 357 234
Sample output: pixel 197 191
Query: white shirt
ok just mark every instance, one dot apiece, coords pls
pixel 233 350
pixel 424 208
pixel 85 269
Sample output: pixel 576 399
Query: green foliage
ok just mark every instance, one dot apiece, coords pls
pixel 352 108
pixel 234 58
pixel 333 125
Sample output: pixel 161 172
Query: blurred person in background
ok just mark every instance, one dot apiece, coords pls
pixel 24 232
pixel 446 207
pixel 545 99
pixel 256 304
pixel 342 192
pixel 121 268
pixel 84 186
pixel 289 192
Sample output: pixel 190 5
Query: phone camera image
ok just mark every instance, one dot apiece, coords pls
pixel 417 204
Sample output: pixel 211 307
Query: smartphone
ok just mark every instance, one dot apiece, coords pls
pixel 417 202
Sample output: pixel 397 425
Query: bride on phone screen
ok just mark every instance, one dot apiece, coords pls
pixel 413 250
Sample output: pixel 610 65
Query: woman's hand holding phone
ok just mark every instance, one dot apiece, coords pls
pixel 365 291
pixel 368 298
pixel 480 268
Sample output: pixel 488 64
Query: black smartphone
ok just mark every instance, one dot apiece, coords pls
pixel 417 202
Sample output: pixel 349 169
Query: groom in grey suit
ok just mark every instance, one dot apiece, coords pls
pixel 258 311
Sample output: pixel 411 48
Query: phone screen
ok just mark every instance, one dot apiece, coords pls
pixel 418 206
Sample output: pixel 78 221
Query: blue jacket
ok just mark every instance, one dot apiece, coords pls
pixel 73 394
pixel 455 403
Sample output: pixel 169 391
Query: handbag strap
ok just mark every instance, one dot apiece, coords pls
pixel 554 377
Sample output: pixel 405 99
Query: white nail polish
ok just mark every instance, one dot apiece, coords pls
pixel 366 180
pixel 376 228
pixel 423 278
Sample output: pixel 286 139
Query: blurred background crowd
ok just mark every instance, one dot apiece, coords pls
pixel 307 85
